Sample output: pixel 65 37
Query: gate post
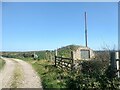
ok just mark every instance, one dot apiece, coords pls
pixel 113 60
pixel 55 60
pixel 55 56
pixel 117 63
pixel 72 63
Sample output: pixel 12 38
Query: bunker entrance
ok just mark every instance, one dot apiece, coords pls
pixel 85 54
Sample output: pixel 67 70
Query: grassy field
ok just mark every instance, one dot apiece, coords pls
pixel 2 62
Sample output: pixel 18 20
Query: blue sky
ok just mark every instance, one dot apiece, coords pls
pixel 42 26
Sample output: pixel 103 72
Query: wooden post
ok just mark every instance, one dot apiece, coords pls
pixel 61 62
pixel 55 57
pixel 113 60
pixel 72 62
pixel 55 61
pixel 72 56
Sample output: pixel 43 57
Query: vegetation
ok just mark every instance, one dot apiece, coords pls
pixel 42 55
pixel 95 74
pixel 51 77
pixel 2 62
pixel 66 51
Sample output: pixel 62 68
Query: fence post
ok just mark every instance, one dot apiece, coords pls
pixel 72 56
pixel 55 56
pixel 61 63
pixel 55 61
pixel 113 60
pixel 72 63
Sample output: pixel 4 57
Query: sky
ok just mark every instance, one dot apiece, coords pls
pixel 119 27
pixel 30 26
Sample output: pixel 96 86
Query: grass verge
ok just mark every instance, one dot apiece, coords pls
pixel 2 63
pixel 51 76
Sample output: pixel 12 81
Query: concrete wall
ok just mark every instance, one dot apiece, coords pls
pixel 77 53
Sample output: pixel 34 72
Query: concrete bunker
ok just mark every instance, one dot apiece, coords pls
pixel 83 53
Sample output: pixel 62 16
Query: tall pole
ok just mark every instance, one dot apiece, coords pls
pixel 86 29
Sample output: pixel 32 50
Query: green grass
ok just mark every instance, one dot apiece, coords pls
pixel 51 76
pixel 2 62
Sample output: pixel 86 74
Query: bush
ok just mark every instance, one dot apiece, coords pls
pixel 95 74
pixel 94 68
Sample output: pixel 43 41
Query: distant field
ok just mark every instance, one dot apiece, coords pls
pixel 2 62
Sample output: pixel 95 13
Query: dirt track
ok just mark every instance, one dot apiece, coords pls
pixel 18 74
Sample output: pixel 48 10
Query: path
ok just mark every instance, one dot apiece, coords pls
pixel 18 74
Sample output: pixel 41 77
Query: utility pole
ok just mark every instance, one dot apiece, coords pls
pixel 86 29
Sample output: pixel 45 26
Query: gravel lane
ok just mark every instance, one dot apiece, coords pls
pixel 30 77
pixel 18 74
pixel 6 74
